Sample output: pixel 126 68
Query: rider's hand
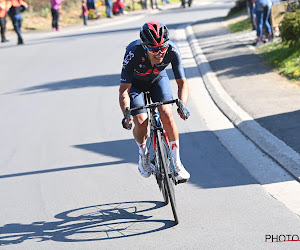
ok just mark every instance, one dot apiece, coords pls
pixel 182 110
pixel 129 124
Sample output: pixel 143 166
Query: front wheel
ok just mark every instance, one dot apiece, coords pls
pixel 161 184
pixel 167 177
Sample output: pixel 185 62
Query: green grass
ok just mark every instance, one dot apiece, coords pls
pixel 235 12
pixel 284 58
pixel 280 56
pixel 240 26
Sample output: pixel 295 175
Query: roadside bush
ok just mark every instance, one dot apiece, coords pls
pixel 290 28
pixel 45 12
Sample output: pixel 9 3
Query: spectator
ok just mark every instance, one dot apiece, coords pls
pixel 3 10
pixel 15 9
pixel 263 10
pixel 90 4
pixel 277 14
pixel 118 7
pixel 85 12
pixel 154 2
pixel 55 11
pixel 251 13
pixel 108 4
pixel 183 2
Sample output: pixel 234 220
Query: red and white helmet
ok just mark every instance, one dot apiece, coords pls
pixel 154 34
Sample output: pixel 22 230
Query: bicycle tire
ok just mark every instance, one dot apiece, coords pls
pixel 162 187
pixel 159 179
pixel 167 177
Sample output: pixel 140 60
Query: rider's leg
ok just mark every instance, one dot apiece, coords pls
pixel 166 116
pixel 162 91
pixel 140 131
pixel 167 119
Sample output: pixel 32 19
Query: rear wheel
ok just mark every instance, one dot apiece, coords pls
pixel 167 177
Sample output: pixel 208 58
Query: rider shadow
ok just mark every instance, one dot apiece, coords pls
pixel 92 223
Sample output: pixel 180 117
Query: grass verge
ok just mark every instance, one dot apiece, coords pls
pixel 235 12
pixel 280 56
pixel 240 26
pixel 284 58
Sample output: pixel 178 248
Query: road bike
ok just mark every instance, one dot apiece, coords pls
pixel 162 164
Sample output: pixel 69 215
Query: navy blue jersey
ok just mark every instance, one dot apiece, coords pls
pixel 137 67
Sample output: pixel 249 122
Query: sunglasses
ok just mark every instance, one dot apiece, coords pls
pixel 155 50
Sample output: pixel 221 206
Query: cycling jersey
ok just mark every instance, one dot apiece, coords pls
pixel 137 68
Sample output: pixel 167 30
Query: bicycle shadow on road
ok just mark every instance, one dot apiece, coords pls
pixel 207 160
pixel 91 223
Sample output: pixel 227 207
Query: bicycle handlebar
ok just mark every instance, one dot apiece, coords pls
pixel 154 105
pixel 149 106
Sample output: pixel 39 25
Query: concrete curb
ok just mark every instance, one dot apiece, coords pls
pixel 284 155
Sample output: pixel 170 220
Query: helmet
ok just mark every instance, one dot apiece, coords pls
pixel 154 34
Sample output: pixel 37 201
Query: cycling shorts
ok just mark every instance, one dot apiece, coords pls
pixel 160 91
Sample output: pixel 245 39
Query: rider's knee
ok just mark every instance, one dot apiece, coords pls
pixel 140 121
pixel 166 116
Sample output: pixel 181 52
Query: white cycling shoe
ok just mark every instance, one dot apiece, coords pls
pixel 182 174
pixel 144 165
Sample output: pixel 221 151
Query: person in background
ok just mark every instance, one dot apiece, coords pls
pixel 3 10
pixel 276 15
pixel 183 2
pixel 154 2
pixel 263 10
pixel 90 4
pixel 14 10
pixel 55 8
pixel 85 12
pixel 251 14
pixel 118 7
pixel 108 4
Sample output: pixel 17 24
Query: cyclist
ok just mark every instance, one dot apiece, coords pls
pixel 143 69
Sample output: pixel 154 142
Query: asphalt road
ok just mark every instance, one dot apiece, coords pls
pixel 68 171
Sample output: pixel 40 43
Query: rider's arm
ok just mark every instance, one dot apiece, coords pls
pixel 178 70
pixel 124 98
pixel 124 101
pixel 183 89
pixel 127 76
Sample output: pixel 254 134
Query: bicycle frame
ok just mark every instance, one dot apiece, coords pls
pixel 155 126
pixel 162 164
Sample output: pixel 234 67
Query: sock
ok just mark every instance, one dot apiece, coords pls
pixel 175 151
pixel 142 148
